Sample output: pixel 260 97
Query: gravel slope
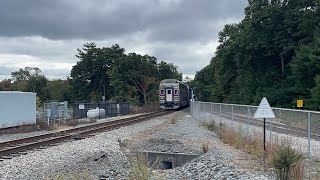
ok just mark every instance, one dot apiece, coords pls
pixel 221 161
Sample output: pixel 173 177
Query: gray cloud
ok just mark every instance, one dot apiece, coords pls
pixel 5 71
pixel 164 19
pixel 47 33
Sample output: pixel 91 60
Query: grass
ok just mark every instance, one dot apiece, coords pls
pixel 18 129
pixel 205 147
pixel 174 119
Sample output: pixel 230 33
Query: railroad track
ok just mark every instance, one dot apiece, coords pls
pixel 17 147
pixel 276 127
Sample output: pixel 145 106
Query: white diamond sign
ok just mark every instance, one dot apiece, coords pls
pixel 264 110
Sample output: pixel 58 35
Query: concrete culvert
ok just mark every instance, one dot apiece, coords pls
pixel 165 165
pixel 162 160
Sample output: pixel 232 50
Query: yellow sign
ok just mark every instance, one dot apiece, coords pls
pixel 299 103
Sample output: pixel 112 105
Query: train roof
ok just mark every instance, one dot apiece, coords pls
pixel 170 81
pixel 173 81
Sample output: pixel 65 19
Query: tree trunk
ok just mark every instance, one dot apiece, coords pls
pixel 282 66
pixel 145 97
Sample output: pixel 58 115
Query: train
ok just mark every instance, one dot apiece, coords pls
pixel 173 94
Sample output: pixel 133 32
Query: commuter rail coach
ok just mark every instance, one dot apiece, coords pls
pixel 173 94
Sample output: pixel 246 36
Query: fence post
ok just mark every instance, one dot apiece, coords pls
pixel 309 149
pixel 203 112
pixel 211 113
pixel 196 110
pixel 232 115
pixel 199 112
pixel 44 111
pixel 220 113
pixel 248 116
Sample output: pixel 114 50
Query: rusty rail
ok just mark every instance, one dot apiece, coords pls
pixel 21 145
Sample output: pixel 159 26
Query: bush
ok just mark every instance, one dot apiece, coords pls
pixel 284 159
pixel 211 126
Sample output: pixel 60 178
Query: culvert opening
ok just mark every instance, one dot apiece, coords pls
pixel 163 160
pixel 165 165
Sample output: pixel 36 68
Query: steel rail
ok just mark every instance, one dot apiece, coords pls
pixel 22 145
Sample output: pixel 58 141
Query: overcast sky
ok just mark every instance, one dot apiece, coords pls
pixel 46 33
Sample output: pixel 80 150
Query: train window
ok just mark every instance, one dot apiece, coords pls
pixel 169 92
pixel 176 92
pixel 162 91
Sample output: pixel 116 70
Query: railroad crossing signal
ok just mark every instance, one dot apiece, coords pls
pixel 264 111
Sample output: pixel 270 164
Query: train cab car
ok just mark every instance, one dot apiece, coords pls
pixel 173 94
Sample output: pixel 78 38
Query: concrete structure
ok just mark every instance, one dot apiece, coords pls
pixel 17 108
pixel 163 160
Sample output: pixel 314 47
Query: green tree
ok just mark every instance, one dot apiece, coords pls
pixel 90 77
pixel 59 90
pixel 168 71
pixel 257 56
pixel 5 85
pixel 137 70
pixel 30 79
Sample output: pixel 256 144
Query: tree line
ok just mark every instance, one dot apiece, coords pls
pixel 274 52
pixel 102 73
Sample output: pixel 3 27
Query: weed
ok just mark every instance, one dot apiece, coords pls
pixel 229 136
pixel 239 140
pixel 140 169
pixel 205 147
pixel 317 169
pixel 298 171
pixel 211 126
pixel 284 160
pixel 174 119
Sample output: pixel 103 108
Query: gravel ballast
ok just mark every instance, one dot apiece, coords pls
pixel 104 155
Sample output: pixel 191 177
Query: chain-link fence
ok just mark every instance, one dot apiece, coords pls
pixel 299 128
pixel 59 112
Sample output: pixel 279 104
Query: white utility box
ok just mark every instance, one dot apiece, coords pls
pixel 17 108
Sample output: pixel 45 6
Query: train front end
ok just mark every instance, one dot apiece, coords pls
pixel 169 94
